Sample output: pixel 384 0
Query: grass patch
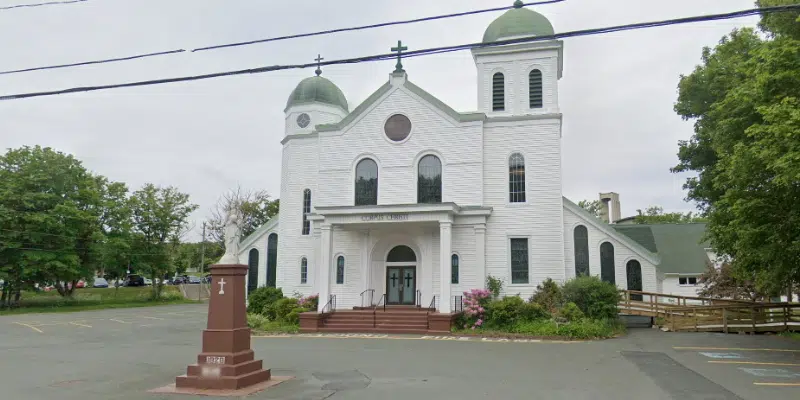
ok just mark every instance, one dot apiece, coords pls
pixel 95 299
pixel 577 330
pixel 261 324
pixel 791 335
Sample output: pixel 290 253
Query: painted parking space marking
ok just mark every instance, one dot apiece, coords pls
pixel 29 326
pixel 80 324
pixel 471 339
pixel 735 349
pixel 790 384
pixel 770 372
pixel 721 355
pixel 118 320
pixel 156 318
pixel 779 364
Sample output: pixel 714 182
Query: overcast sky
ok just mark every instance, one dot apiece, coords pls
pixel 617 93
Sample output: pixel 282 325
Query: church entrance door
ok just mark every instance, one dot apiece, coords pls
pixel 401 285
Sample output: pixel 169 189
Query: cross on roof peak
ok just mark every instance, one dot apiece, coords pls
pixel 319 64
pixel 399 49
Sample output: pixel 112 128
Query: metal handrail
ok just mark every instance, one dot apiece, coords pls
pixel 331 304
pixel 375 309
pixel 458 303
pixel 431 306
pixel 371 296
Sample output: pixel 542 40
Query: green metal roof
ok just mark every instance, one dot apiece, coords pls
pixel 518 22
pixel 680 246
pixel 317 89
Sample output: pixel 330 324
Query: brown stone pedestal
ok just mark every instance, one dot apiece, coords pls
pixel 227 363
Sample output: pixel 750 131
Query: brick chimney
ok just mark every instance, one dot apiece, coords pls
pixel 610 209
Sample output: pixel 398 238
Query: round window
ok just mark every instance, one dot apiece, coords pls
pixel 303 120
pixel 397 127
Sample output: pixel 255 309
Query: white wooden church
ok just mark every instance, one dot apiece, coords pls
pixel 405 197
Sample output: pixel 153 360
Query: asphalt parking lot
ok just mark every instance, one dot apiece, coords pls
pixel 123 353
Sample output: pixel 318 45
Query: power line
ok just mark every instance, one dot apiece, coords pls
pixel 50 3
pixel 275 39
pixel 380 25
pixel 161 53
pixel 416 53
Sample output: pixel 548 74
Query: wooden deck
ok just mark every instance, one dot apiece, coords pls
pixel 697 314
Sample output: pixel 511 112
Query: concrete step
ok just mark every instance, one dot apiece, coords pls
pixel 377 317
pixel 373 330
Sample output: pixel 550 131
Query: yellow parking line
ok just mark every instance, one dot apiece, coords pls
pixel 29 326
pixel 79 324
pixel 776 384
pixel 756 363
pixel 735 349
pixel 121 322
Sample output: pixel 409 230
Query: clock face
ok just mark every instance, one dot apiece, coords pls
pixel 303 120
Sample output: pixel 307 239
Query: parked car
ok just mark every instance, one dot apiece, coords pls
pixel 100 283
pixel 148 282
pixel 134 280
pixel 195 280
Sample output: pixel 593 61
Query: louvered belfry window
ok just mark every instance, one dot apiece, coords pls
pixel 535 89
pixel 306 211
pixel 516 178
pixel 498 92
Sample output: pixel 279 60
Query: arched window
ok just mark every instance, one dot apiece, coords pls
pixel 429 180
pixel 401 254
pixel 306 211
pixel 303 271
pixel 252 270
pixel 498 92
pixel 581 239
pixel 340 270
pixel 272 259
pixel 516 178
pixel 633 270
pixel 535 89
pixel 454 268
pixel 607 262
pixel 366 183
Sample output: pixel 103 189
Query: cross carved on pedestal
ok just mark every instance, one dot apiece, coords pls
pixel 221 284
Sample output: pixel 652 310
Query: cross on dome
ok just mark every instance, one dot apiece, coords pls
pixel 319 64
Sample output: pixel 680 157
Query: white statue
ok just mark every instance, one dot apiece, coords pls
pixel 231 234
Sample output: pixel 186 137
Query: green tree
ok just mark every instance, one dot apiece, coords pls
pixel 160 218
pixel 54 216
pixel 257 209
pixel 592 207
pixel 745 149
pixel 656 215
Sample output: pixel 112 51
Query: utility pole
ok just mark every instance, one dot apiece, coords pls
pixel 203 249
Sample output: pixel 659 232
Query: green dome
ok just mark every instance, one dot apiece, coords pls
pixel 317 89
pixel 518 22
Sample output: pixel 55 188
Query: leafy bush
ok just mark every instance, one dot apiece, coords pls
pixel 494 285
pixel 532 312
pixel 259 299
pixel 583 329
pixel 597 299
pixel 504 313
pixel 548 295
pixel 310 303
pixel 475 303
pixel 254 321
pixel 571 312
pixel 294 316
pixel 283 307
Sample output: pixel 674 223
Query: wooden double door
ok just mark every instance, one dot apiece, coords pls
pixel 401 285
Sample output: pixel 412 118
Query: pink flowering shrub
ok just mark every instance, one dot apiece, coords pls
pixel 310 302
pixel 475 302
